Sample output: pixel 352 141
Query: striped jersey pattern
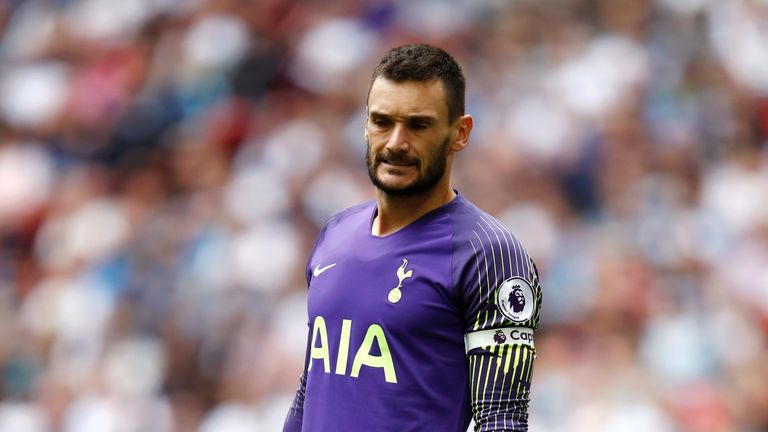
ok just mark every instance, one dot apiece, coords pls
pixel 500 374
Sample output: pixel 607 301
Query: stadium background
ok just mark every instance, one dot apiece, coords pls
pixel 165 166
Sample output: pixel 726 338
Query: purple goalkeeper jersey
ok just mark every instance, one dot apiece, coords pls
pixel 419 330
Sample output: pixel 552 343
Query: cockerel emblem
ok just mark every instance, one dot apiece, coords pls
pixel 396 293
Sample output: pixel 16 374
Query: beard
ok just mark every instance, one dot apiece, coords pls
pixel 426 180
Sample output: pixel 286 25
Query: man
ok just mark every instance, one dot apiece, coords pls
pixel 421 306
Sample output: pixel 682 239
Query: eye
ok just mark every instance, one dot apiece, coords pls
pixel 418 125
pixel 381 121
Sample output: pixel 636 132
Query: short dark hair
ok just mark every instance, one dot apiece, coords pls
pixel 421 62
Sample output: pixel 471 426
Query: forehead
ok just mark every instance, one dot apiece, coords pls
pixel 408 98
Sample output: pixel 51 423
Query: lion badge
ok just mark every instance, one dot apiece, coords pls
pixel 515 299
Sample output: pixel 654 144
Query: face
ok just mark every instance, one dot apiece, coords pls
pixel 410 140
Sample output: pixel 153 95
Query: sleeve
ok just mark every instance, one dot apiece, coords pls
pixel 295 417
pixel 502 303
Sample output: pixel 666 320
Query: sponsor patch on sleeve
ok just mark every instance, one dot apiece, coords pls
pixel 515 299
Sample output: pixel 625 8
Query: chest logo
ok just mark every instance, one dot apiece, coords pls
pixel 396 293
pixel 319 270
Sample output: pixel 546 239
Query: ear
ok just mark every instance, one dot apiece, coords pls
pixel 365 128
pixel 464 128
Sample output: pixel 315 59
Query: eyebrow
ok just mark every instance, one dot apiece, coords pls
pixel 412 117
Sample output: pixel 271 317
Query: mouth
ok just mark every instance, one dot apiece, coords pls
pixel 399 162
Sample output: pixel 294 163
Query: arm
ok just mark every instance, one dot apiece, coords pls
pixel 500 383
pixel 295 417
pixel 502 303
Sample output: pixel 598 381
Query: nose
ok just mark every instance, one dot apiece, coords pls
pixel 399 141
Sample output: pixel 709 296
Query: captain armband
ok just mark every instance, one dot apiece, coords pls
pixel 498 336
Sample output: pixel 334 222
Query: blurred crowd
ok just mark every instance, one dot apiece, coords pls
pixel 165 166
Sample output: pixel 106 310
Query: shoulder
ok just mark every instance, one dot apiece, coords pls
pixel 478 229
pixel 493 271
pixel 351 215
pixel 345 222
pixel 338 228
pixel 484 245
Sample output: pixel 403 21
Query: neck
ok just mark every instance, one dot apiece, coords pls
pixel 396 212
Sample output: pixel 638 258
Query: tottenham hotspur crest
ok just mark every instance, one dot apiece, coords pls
pixel 395 294
pixel 515 299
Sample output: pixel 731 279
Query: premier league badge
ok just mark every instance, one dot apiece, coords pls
pixel 499 337
pixel 515 299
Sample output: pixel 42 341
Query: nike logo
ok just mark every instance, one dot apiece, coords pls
pixel 319 270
